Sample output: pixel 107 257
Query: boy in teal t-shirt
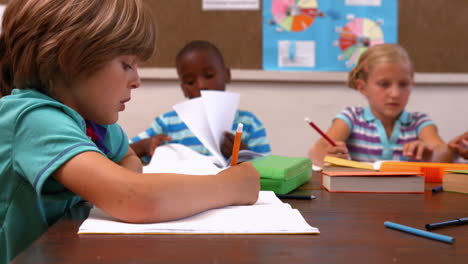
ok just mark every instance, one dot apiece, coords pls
pixel 33 200
pixel 67 69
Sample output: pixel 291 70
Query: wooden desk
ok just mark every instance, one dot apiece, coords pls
pixel 351 225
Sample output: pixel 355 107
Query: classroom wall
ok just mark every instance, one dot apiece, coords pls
pixel 282 107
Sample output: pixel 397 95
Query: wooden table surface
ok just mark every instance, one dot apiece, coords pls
pixel 351 231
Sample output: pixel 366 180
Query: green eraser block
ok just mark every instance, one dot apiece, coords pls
pixel 282 174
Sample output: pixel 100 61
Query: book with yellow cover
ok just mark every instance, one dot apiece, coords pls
pixel 432 171
pixel 348 163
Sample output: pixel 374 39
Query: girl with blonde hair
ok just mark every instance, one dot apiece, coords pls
pixel 384 130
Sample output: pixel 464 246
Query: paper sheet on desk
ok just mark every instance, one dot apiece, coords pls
pixel 177 158
pixel 208 117
pixel 268 216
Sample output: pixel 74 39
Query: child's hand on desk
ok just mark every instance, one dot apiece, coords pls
pixel 245 181
pixel 155 141
pixel 227 143
pixel 460 145
pixel 146 147
pixel 340 151
pixel 418 150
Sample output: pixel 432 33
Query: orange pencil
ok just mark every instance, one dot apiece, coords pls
pixel 236 145
pixel 320 132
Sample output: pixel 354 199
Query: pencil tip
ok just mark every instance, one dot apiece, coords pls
pixel 307 119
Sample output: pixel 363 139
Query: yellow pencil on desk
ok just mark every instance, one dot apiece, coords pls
pixel 236 145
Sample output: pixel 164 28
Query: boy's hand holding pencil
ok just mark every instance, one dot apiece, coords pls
pixel 236 145
pixel 228 144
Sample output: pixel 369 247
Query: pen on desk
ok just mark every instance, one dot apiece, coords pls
pixel 296 196
pixel 320 132
pixel 437 189
pixel 419 232
pixel 455 222
pixel 236 145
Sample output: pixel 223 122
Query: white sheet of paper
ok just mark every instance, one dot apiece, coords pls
pixel 177 158
pixel 192 112
pixel 208 117
pixel 220 109
pixel 269 215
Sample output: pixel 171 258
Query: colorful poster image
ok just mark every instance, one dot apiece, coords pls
pixel 324 35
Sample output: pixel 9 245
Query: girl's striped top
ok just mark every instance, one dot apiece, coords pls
pixel 368 140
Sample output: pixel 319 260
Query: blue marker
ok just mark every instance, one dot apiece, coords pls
pixel 419 232
pixel 437 189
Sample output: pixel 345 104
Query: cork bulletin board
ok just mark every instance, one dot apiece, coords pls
pixel 435 33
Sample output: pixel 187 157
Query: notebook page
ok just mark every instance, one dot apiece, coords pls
pixel 193 114
pixel 177 158
pixel 261 218
pixel 220 109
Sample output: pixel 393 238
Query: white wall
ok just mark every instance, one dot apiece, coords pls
pixel 282 107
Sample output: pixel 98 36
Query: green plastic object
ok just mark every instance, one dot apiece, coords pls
pixel 282 174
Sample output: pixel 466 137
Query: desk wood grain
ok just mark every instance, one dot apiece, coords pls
pixel 351 225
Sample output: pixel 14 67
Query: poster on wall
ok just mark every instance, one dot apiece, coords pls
pixel 324 35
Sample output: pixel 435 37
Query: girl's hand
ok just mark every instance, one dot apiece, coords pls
pixel 340 151
pixel 460 145
pixel 227 143
pixel 418 150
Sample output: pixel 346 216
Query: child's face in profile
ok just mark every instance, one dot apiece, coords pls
pixel 101 96
pixel 201 70
pixel 387 89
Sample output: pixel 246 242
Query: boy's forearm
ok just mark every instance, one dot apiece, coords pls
pixel 132 163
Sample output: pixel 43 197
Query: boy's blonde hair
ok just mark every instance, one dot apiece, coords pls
pixel 375 55
pixel 47 40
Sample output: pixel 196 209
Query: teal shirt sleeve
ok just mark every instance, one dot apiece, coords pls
pixel 45 139
pixel 117 142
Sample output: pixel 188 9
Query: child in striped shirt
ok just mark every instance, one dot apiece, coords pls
pixel 200 66
pixel 384 130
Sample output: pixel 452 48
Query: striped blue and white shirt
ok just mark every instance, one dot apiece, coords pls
pixel 368 140
pixel 253 135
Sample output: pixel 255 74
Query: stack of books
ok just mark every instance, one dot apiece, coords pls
pixel 432 171
pixel 372 181
pixel 352 176
pixel 456 181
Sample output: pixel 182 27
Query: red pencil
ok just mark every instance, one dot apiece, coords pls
pixel 320 132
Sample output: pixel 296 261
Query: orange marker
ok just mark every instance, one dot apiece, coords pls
pixel 236 145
